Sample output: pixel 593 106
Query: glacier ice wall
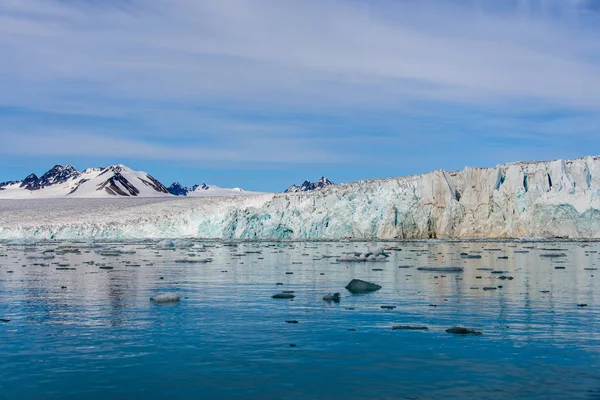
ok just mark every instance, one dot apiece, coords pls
pixel 535 199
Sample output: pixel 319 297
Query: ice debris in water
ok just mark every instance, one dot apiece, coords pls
pixel 22 242
pixel 165 298
pixel 378 251
pixel 332 297
pixel 91 243
pixel 441 269
pixel 461 330
pixel 175 244
pixel 373 254
pixel 360 286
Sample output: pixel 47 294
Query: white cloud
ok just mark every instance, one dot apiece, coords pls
pixel 272 48
pixel 239 150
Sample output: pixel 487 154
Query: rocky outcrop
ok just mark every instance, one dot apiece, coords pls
pixel 177 189
pixel 308 186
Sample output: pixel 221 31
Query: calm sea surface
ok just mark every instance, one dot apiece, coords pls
pixel 79 330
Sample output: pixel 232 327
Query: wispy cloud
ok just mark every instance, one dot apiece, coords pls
pixel 241 150
pixel 269 48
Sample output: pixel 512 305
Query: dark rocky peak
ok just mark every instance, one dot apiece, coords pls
pixel 308 186
pixel 204 186
pixel 323 182
pixel 57 175
pixel 30 182
pixel 115 169
pixel 178 189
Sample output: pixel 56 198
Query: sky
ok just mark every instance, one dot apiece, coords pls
pixel 261 94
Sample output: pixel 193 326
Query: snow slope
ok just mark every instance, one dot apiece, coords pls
pixel 212 190
pixel 533 199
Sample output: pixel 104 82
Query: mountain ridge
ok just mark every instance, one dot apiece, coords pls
pixel 113 181
pixel 308 186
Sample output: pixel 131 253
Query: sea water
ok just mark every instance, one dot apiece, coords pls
pixel 82 326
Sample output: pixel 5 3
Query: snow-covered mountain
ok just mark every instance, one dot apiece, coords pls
pixel 113 181
pixel 62 181
pixel 527 199
pixel 308 186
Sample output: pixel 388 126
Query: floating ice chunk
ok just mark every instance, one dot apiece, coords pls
pixel 165 244
pixel 90 243
pixel 332 297
pixel 22 242
pixel 373 254
pixel 193 260
pixel 110 253
pixel 377 251
pixel 175 244
pixel 461 330
pixel 362 257
pixel 165 298
pixel 441 269
pixel 360 286
pixel 183 243
pixel 283 296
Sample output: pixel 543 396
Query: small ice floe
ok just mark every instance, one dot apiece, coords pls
pixel 91 243
pixel 553 255
pixel 283 296
pixel 175 244
pixel 22 242
pixel 470 256
pixel 409 328
pixel 165 298
pixel 110 253
pixel 377 251
pixel 373 254
pixel 441 269
pixel 332 297
pixel 506 277
pixel 461 330
pixel 193 260
pixel 360 286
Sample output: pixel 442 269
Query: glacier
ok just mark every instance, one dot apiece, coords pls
pixel 516 200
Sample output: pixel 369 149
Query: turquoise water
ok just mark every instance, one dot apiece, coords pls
pixel 92 333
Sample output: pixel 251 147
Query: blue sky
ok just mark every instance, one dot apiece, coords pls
pixel 261 94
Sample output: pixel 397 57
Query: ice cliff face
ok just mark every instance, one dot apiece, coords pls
pixel 540 199
pixel 537 199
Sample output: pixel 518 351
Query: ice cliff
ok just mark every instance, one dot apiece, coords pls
pixel 526 199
